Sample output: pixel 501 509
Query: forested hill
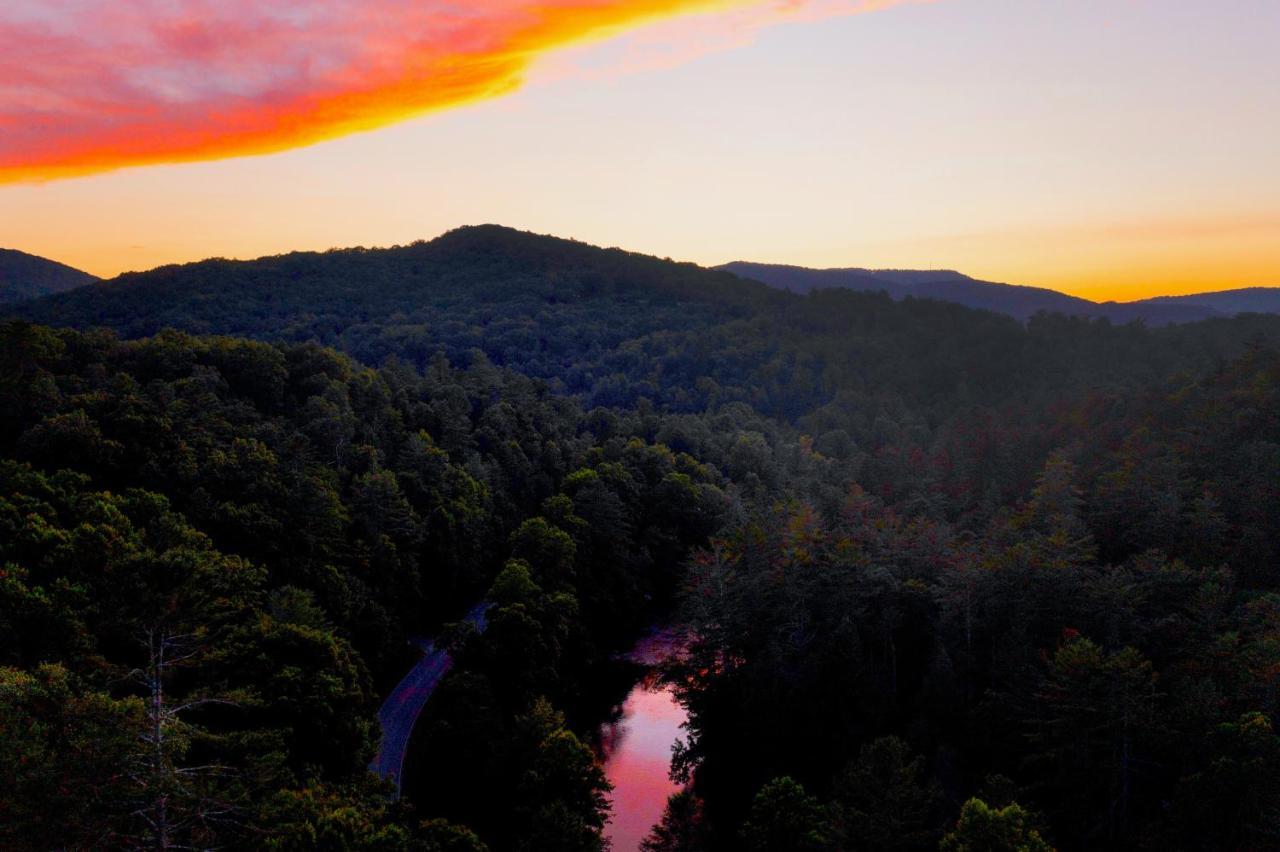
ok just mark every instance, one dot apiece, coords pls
pixel 25 276
pixel 615 328
pixel 505 291
pixel 949 575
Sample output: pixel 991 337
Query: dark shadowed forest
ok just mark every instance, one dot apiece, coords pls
pixel 953 581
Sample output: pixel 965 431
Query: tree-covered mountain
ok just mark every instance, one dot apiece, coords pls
pixel 613 328
pixel 25 276
pixel 1014 300
pixel 512 291
pixel 944 285
pixel 952 578
pixel 1261 300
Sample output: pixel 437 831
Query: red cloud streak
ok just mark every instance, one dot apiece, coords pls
pixel 92 85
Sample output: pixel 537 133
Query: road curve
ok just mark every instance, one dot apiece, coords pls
pixel 400 710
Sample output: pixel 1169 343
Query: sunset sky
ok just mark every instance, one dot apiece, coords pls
pixel 1108 148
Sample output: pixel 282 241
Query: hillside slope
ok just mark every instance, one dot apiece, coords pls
pixel 1013 300
pixel 507 293
pixel 615 328
pixel 26 276
pixel 1262 300
pixel 944 285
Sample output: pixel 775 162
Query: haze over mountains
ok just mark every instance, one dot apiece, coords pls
pixel 1015 300
pixel 26 276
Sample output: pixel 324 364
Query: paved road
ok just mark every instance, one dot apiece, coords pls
pixel 400 711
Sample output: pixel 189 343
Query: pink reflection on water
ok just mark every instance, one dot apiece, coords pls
pixel 638 749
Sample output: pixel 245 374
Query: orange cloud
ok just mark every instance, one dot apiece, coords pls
pixel 94 85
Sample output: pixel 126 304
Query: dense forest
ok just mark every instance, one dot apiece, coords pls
pixel 953 581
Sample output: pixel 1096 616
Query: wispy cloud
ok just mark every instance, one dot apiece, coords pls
pixel 673 42
pixel 93 85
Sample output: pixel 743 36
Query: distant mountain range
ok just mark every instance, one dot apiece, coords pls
pixel 1010 299
pixel 26 276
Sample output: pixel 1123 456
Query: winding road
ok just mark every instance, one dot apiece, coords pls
pixel 400 711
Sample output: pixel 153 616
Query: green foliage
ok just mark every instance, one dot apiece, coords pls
pixel 930 546
pixel 1092 731
pixel 683 827
pixel 514 585
pixel 982 828
pixel 1010 649
pixel 886 801
pixel 1236 792
pixel 548 550
pixel 438 835
pixel 282 519
pixel 357 818
pixel 561 796
pixel 784 818
pixel 63 751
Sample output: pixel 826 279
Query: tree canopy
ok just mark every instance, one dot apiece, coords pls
pixel 951 580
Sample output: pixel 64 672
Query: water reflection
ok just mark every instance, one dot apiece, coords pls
pixel 636 747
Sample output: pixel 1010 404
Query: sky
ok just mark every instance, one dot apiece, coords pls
pixel 1113 149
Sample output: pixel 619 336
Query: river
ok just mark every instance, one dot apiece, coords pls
pixel 635 745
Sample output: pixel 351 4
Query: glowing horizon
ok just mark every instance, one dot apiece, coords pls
pixel 1109 150
pixel 1149 281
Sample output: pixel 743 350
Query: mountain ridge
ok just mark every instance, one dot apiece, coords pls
pixel 1016 300
pixel 512 254
pixel 27 276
